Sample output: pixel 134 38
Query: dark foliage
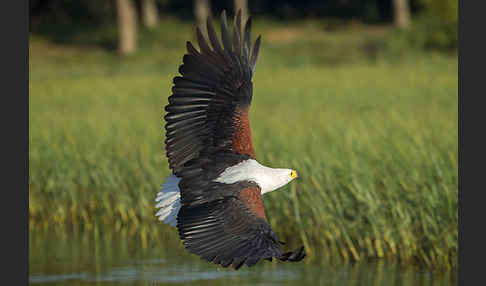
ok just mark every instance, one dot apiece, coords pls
pixel 66 21
pixel 93 12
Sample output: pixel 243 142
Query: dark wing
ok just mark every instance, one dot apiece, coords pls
pixel 208 108
pixel 225 223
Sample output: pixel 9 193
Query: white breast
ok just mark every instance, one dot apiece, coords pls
pixel 268 179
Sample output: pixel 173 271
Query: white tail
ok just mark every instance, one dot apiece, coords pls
pixel 169 200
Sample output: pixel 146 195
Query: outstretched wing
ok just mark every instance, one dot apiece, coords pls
pixel 225 223
pixel 208 108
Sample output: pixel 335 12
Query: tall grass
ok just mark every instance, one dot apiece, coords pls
pixel 374 143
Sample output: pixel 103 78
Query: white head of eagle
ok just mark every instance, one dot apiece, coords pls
pixel 268 179
pixel 214 194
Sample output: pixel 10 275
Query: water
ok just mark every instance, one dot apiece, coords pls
pixel 128 258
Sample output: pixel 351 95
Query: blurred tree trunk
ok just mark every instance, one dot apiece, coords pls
pixel 202 9
pixel 401 13
pixel 243 5
pixel 127 27
pixel 150 14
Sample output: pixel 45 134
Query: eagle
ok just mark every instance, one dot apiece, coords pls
pixel 214 194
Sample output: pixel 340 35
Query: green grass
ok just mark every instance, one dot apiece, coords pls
pixel 373 138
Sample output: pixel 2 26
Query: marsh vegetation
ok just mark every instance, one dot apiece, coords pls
pixel 370 126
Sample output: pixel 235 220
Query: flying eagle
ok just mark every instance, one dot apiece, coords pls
pixel 214 194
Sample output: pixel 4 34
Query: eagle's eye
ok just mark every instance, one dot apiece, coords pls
pixel 293 174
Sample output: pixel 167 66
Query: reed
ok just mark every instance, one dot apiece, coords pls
pixel 375 146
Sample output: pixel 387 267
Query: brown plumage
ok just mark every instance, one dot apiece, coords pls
pixel 241 140
pixel 252 198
